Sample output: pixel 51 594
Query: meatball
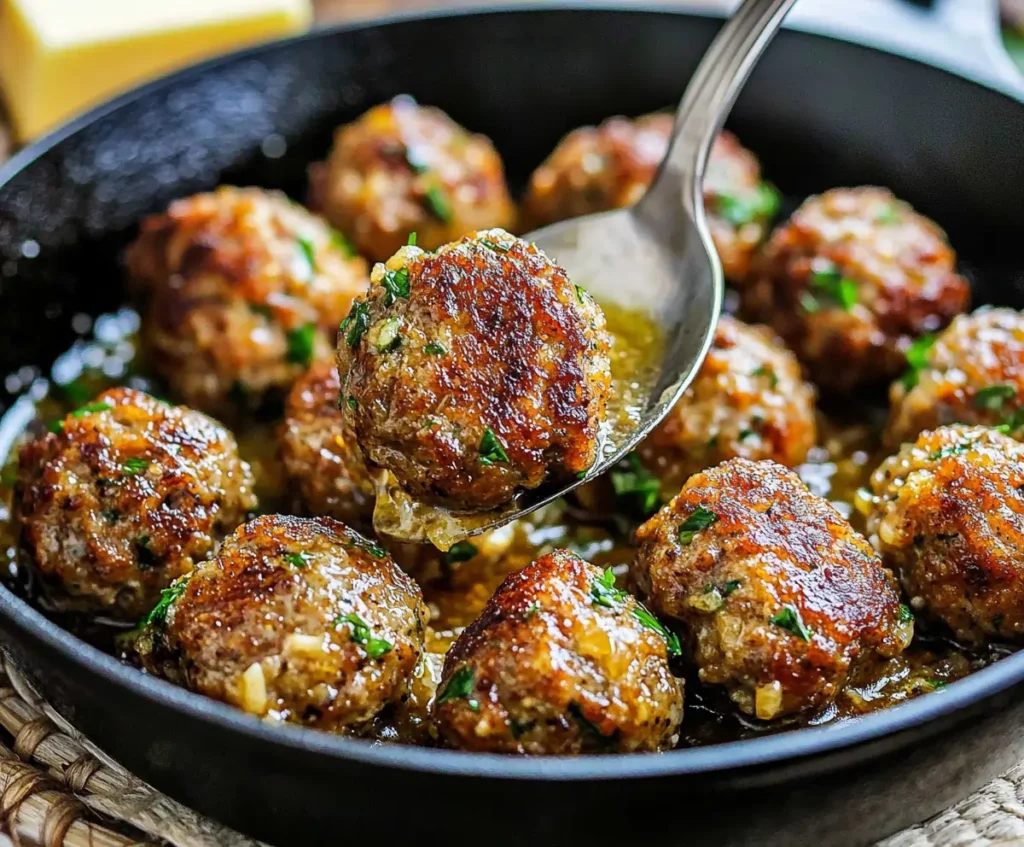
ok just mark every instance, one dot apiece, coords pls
pixel 127 494
pixel 594 169
pixel 295 620
pixel 947 513
pixel 244 289
pixel 404 168
pixel 850 281
pixel 474 371
pixel 560 662
pixel 780 600
pixel 324 467
pixel 749 400
pixel 973 372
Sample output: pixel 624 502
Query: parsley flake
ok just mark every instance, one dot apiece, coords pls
pixel 495 246
pixel 434 348
pixel 343 244
pixel 460 685
pixel 739 211
pixel 411 241
pixel 308 252
pixel 827 281
pixel 438 203
pixel 604 593
pixel 632 481
pixel 158 614
pixel 700 520
pixel 889 214
pixel 906 615
pixel 395 284
pixel 388 337
pixel 492 451
pixel 591 728
pixel 298 560
pixel 355 325
pixel 375 647
pixel 461 551
pixel 918 354
pixel 92 407
pixel 581 294
pixel 648 620
pixel 992 397
pixel 301 344
pixel 789 619
pixel 352 402
pixel 134 466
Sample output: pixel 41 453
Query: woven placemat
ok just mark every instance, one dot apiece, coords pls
pixel 58 790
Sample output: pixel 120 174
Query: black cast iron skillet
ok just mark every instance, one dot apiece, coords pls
pixel 820 112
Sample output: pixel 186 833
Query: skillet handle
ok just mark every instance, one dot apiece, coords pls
pixel 961 35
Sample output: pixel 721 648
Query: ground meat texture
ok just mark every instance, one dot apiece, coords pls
pixel 594 169
pixel 780 600
pixel 560 662
pixel 324 467
pixel 243 289
pixel 127 494
pixel 295 620
pixel 749 400
pixel 474 371
pixel 850 281
pixel 947 513
pixel 973 372
pixel 403 168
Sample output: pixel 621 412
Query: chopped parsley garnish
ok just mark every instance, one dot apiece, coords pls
pixel 460 685
pixel 906 615
pixel 789 619
pixel 411 241
pixel 581 294
pixel 725 589
pixel 301 344
pixel 828 282
pixel 375 647
pixel 630 479
pixel 648 620
pixel 935 684
pixel 343 244
pixel 531 610
pixel 134 466
pixel 888 215
pixel 950 450
pixel 298 560
pixel 437 200
pixel 1012 423
pixel 388 337
pixel 492 450
pixel 352 402
pixel 495 246
pixel 396 284
pixel 158 614
pixel 992 397
pixel 604 593
pixel 308 251
pixel 461 551
pixel 700 520
pixel 434 349
pixel 738 211
pixel 92 407
pixel 763 370
pixel 361 543
pixel 57 426
pixel 917 359
pixel 76 391
pixel 588 726
pixel 356 324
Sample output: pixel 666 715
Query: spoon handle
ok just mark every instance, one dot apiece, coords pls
pixel 708 98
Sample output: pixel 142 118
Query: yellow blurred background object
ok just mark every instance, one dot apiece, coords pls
pixel 58 57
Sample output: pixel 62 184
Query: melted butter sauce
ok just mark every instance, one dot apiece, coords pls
pixel 637 347
pixel 591 523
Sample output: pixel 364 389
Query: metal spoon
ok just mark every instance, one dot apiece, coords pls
pixel 657 256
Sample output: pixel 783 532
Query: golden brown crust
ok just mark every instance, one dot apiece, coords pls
pixel 271 625
pixel 948 515
pixel 973 373
pixel 547 670
pixel 779 597
pixel 894 266
pixel 749 401
pixel 594 169
pixel 243 289
pixel 126 498
pixel 371 191
pixel 324 467
pixel 491 337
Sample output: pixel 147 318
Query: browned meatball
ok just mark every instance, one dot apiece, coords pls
pixel 780 599
pixel 973 372
pixel 749 400
pixel 244 290
pixel 128 494
pixel 295 620
pixel 403 168
pixel 474 371
pixel 851 280
pixel 947 513
pixel 323 465
pixel 560 662
pixel 594 169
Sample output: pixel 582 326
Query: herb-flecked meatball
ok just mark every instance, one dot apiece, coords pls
pixel 973 372
pixel 947 513
pixel 322 464
pixel 243 290
pixel 474 371
pixel 780 600
pixel 749 400
pixel 560 662
pixel 125 495
pixel 403 168
pixel 594 169
pixel 295 620
pixel 850 281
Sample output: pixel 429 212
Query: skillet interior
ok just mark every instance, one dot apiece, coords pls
pixel 818 112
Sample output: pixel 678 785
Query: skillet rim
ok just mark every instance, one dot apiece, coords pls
pixel 778 748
